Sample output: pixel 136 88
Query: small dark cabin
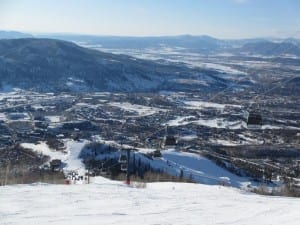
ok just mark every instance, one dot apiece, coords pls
pixel 156 154
pixel 55 164
pixel 170 141
pixel 254 119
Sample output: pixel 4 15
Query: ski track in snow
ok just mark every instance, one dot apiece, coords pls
pixel 71 158
pixel 111 202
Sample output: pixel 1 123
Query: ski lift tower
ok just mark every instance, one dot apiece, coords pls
pixel 127 149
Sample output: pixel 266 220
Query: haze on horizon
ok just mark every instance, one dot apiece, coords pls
pixel 218 18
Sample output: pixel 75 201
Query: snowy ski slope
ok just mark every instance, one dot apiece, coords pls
pixel 111 202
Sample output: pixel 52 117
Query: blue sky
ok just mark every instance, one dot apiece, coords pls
pixel 219 18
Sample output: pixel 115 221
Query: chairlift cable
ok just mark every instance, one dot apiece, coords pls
pixel 280 82
pixel 246 77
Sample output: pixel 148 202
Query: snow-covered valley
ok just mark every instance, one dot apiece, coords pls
pixel 191 165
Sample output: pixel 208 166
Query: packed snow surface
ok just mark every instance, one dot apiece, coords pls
pixel 110 202
pixel 201 169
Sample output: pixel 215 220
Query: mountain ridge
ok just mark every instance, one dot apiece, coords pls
pixel 195 43
pixel 13 35
pixel 56 65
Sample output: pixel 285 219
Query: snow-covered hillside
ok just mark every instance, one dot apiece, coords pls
pixel 110 202
pixel 70 157
pixel 60 66
pixel 191 165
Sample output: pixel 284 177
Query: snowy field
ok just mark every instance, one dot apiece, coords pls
pixel 214 123
pixel 140 110
pixel 111 202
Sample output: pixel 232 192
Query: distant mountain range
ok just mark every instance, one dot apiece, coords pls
pixel 192 43
pixel 267 48
pixel 44 64
pixel 13 34
pixel 200 44
pixel 55 65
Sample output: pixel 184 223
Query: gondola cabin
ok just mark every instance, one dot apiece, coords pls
pixel 254 121
pixel 156 154
pixel 169 142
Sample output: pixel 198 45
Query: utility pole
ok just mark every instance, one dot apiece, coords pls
pixel 7 173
